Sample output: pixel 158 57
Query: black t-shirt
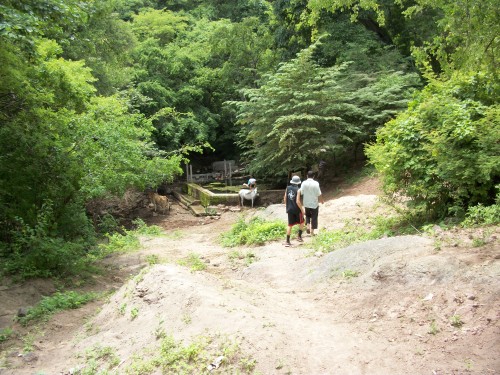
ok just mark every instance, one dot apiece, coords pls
pixel 291 199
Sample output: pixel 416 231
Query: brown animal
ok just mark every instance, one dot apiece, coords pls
pixel 159 201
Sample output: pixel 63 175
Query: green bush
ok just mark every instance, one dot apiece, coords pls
pixel 443 152
pixel 146 230
pixel 256 232
pixel 40 251
pixel 107 224
pixel 194 262
pixel 481 215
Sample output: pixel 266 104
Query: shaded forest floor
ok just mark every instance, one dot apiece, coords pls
pixel 410 304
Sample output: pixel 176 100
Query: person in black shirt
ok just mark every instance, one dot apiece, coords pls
pixel 294 209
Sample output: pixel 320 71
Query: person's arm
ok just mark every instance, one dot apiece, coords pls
pixel 299 201
pixel 284 197
pixel 320 196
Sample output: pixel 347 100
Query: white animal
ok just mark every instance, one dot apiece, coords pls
pixel 247 194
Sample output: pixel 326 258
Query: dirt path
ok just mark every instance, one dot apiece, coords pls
pixel 290 311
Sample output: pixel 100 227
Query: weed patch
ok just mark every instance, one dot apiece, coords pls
pixel 349 274
pixel 99 360
pixel 482 215
pixel 175 357
pixel 456 321
pixel 5 334
pixel 127 241
pixel 57 302
pixel 238 256
pixel 352 232
pixel 194 262
pixel 433 328
pixel 256 232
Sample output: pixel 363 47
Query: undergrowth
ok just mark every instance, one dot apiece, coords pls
pixel 353 232
pixel 482 215
pixel 194 262
pixel 126 241
pixel 56 302
pixel 34 253
pixel 175 357
pixel 99 360
pixel 257 231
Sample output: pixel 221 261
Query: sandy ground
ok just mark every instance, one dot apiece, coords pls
pixel 290 311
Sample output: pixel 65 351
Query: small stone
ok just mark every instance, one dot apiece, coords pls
pixel 30 357
pixel 428 297
pixel 23 311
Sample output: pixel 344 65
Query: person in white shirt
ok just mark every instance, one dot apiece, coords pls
pixel 310 194
pixel 252 183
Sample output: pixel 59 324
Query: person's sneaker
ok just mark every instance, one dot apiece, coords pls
pixel 287 244
pixel 300 239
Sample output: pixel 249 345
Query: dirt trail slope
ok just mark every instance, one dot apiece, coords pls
pixel 292 311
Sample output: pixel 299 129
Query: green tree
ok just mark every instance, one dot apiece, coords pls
pixel 60 144
pixel 305 112
pixel 192 74
pixel 292 31
pixel 465 36
pixel 104 42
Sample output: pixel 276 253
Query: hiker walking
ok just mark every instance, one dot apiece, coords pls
pixel 311 196
pixel 294 209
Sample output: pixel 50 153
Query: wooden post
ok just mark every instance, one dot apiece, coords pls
pixel 225 172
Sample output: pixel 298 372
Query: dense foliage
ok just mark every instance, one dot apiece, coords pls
pixel 60 143
pixel 100 96
pixel 305 112
pixel 443 152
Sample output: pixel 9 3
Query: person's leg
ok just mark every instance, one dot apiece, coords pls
pixel 308 220
pixel 288 233
pixel 314 220
pixel 291 222
pixel 301 227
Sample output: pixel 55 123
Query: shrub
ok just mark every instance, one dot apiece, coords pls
pixel 482 215
pixel 443 152
pixel 40 251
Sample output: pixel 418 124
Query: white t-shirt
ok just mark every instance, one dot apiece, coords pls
pixel 310 192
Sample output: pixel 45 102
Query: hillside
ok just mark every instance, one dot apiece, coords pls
pixel 410 304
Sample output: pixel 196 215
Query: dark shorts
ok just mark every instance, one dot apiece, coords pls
pixel 312 217
pixel 295 218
